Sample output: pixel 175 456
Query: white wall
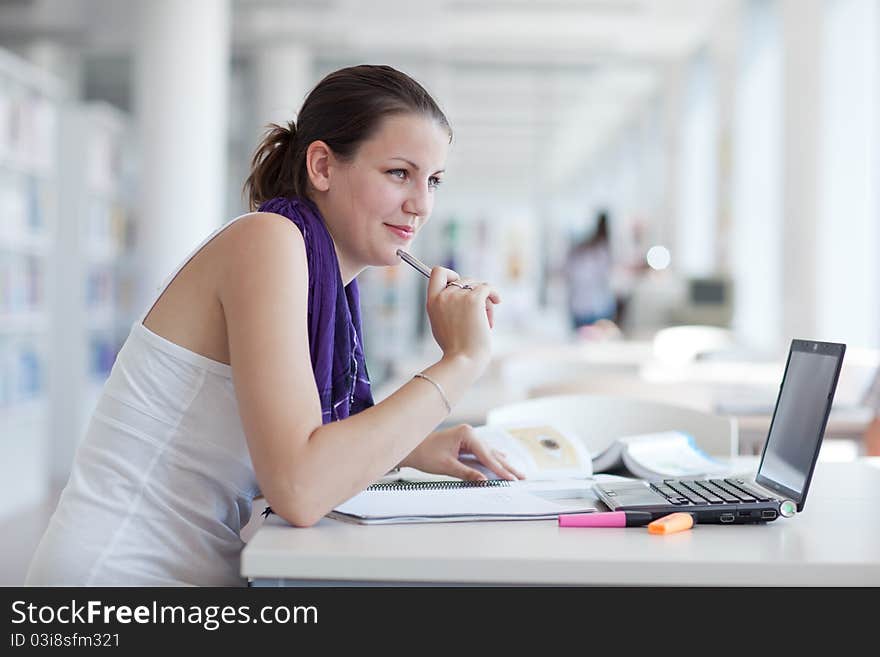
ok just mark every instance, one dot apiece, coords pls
pixel 756 253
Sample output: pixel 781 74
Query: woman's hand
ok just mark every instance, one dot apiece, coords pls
pixel 439 452
pixel 461 318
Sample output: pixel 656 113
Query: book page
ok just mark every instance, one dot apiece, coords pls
pixel 541 452
pixel 668 454
pixel 610 458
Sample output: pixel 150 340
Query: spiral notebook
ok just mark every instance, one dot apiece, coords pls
pixel 460 501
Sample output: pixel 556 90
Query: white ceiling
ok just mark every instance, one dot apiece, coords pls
pixel 524 83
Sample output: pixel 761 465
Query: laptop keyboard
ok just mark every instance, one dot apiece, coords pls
pixel 683 492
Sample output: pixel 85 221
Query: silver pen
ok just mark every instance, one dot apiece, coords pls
pixel 424 270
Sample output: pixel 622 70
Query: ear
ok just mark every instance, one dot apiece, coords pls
pixel 318 160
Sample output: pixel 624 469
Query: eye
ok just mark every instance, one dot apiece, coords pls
pixel 398 173
pixel 434 182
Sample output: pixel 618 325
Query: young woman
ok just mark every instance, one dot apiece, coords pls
pixel 246 376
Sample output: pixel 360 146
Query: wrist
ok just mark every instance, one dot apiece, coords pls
pixel 466 366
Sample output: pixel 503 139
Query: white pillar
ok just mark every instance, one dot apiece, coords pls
pixel 282 79
pixel 802 63
pixel 672 99
pixel 848 230
pixel 723 48
pixel 182 64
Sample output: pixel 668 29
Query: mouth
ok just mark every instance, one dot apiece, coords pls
pixel 403 231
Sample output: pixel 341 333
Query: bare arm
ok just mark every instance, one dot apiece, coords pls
pixel 305 468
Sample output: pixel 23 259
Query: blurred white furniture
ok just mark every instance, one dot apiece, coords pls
pixel 700 398
pixel 599 419
pixel 721 384
pixel 683 344
pixel 834 542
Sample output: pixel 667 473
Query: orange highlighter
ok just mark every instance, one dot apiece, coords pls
pixel 674 522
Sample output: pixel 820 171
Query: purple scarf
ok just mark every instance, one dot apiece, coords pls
pixel 334 320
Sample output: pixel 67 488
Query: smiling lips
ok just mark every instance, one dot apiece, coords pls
pixel 403 231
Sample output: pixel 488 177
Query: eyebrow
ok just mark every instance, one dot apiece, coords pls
pixel 414 165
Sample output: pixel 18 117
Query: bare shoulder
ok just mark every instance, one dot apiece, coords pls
pixel 259 230
pixel 261 243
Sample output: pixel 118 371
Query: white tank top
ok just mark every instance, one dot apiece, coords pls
pixel 162 482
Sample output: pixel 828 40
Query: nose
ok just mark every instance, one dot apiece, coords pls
pixel 419 202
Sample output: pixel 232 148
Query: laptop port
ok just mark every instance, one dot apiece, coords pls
pixel 745 514
pixel 727 517
pixel 770 514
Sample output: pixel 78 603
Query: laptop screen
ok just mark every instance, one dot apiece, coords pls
pixel 801 414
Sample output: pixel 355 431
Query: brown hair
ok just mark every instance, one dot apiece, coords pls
pixel 343 110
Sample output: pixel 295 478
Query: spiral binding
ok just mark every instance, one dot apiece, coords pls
pixel 437 485
pixel 424 485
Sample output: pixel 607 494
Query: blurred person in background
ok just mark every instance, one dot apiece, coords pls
pixel 588 272
pixel 247 376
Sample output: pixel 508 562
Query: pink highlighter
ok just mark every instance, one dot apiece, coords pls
pixel 610 519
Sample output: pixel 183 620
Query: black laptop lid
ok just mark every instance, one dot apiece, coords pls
pixel 799 420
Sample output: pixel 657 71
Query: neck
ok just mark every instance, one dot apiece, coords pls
pixel 348 270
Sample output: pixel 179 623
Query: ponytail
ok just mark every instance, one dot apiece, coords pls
pixel 272 166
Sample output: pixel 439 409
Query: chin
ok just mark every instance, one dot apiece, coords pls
pixel 390 258
pixel 387 255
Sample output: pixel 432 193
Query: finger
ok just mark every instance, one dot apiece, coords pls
pixel 462 284
pixel 502 459
pixel 440 278
pixel 460 470
pixel 481 293
pixel 479 449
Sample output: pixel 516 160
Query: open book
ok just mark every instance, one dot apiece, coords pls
pixel 545 452
pixel 540 452
pixel 668 454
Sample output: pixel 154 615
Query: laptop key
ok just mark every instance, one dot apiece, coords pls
pixel 706 492
pixel 686 493
pixel 720 492
pixel 733 490
pixel 665 491
pixel 744 485
pixel 696 490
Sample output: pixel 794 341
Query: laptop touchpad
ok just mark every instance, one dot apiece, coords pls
pixel 634 494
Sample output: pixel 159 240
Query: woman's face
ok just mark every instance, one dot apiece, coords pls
pixel 377 202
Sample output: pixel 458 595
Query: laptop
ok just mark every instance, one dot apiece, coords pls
pixel 780 486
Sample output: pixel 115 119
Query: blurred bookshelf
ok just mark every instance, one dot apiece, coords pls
pixel 29 107
pixel 95 271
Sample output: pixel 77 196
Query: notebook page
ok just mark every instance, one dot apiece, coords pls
pixel 496 502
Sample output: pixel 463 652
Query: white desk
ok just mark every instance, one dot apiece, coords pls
pixel 836 541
